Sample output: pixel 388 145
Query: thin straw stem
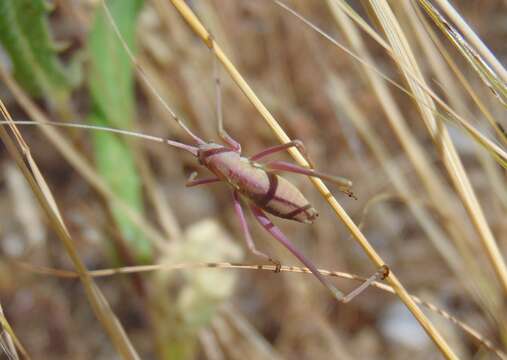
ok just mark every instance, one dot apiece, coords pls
pixel 126 270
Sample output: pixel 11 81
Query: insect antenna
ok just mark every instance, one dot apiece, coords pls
pixel 189 148
pixel 145 77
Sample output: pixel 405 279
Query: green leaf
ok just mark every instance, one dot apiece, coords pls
pixel 112 91
pixel 25 35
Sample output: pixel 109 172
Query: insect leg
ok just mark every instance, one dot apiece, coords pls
pixel 193 182
pixel 380 274
pixel 343 183
pixel 274 149
pixel 218 91
pixel 280 236
pixel 246 231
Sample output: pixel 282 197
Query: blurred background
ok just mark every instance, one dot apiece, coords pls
pixel 124 202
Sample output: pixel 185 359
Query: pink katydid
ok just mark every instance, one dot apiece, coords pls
pixel 259 184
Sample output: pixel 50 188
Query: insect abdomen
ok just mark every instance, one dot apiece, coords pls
pixel 284 200
pixel 267 190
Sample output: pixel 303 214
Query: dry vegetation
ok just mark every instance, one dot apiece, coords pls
pixel 437 220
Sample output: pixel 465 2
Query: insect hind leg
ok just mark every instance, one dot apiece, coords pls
pixel 218 96
pixel 280 236
pixel 248 237
pixel 343 184
pixel 380 274
pixel 277 148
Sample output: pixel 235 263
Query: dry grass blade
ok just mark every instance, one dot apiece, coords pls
pixel 435 187
pixel 289 269
pixel 39 187
pixel 450 157
pixel 462 262
pixel 497 152
pixel 9 342
pixel 474 39
pixel 496 82
pixel 200 30
pixel 433 46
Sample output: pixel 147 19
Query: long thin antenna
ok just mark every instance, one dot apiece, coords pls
pixel 189 148
pixel 145 77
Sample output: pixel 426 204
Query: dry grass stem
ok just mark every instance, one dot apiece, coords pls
pixel 126 270
pixel 449 115
pixel 495 79
pixel 9 342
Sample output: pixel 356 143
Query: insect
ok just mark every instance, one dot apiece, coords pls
pixel 259 183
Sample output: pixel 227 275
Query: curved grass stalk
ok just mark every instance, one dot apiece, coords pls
pixel 493 79
pixel 13 344
pixel 201 31
pixel 474 39
pixel 126 270
pixel 414 11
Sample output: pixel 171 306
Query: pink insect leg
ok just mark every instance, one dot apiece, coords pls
pixel 277 234
pixel 246 231
pixel 218 90
pixel 195 182
pixel 274 149
pixel 279 165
